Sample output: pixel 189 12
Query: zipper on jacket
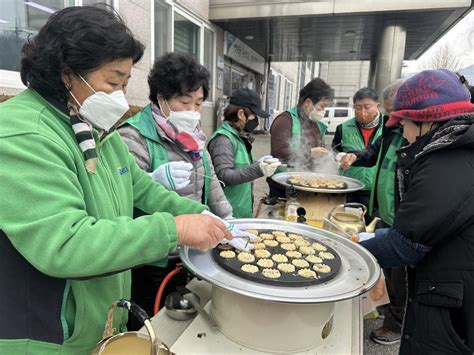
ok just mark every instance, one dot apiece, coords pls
pixel 113 192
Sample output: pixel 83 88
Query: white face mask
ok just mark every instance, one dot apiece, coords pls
pixel 316 115
pixel 186 121
pixel 102 110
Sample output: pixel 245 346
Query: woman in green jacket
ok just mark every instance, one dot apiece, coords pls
pixel 69 186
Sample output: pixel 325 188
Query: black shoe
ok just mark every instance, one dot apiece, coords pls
pixel 384 336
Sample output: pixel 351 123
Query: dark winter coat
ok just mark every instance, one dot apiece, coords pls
pixel 435 221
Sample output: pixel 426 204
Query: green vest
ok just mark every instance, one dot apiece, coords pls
pixel 296 129
pixel 240 196
pixel 385 180
pixel 352 140
pixel 158 155
pixel 295 140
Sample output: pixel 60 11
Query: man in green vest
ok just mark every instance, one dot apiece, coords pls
pixel 384 202
pixel 297 135
pixel 357 134
pixel 231 150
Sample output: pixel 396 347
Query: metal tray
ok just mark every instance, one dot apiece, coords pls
pixel 352 184
pixel 358 273
pixel 287 279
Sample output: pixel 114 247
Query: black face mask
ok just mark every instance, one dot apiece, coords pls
pixel 250 125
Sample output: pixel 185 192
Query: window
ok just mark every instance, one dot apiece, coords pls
pixel 302 74
pixel 341 113
pixel 20 19
pixel 208 56
pixel 238 80
pixel 179 31
pixel 227 80
pixel 290 94
pixel 276 91
pixel 313 66
pixel 186 36
pixel 288 98
pixel 163 20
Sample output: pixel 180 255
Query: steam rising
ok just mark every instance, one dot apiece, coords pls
pixel 324 164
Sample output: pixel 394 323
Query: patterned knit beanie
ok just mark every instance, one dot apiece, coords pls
pixel 430 96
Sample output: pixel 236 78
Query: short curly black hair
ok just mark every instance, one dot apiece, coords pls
pixel 366 93
pixel 79 39
pixel 176 74
pixel 316 90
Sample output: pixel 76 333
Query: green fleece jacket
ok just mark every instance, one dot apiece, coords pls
pixel 74 226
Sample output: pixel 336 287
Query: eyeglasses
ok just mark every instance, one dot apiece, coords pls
pixel 363 107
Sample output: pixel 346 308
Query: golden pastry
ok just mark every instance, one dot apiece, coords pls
pixel 280 258
pixel 262 253
pixel 227 254
pixel 307 250
pixel 271 273
pixel 300 263
pixel 293 254
pixel 258 246
pixel 318 247
pixel 288 246
pixel 310 274
pixel 323 268
pixel 314 259
pixel 285 267
pixel 246 257
pixel 265 263
pixel 251 269
pixel 270 243
pixel 295 236
pixel 326 255
pixel 301 242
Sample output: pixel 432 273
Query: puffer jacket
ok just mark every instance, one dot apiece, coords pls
pixel 137 145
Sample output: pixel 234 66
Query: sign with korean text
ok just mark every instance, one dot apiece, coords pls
pixel 237 50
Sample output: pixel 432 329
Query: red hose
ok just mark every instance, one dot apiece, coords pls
pixel 163 284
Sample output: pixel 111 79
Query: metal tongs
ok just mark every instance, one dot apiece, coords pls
pixel 231 227
pixel 243 237
pixel 210 177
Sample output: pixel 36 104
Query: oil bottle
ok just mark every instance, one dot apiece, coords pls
pixel 292 205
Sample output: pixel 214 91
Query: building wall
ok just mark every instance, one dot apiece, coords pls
pixel 345 78
pixel 137 15
pixel 199 7
pixel 214 121
pixel 9 91
pixel 290 70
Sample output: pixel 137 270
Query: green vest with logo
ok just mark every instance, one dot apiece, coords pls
pixel 240 196
pixel 296 129
pixel 385 180
pixel 157 153
pixel 352 140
